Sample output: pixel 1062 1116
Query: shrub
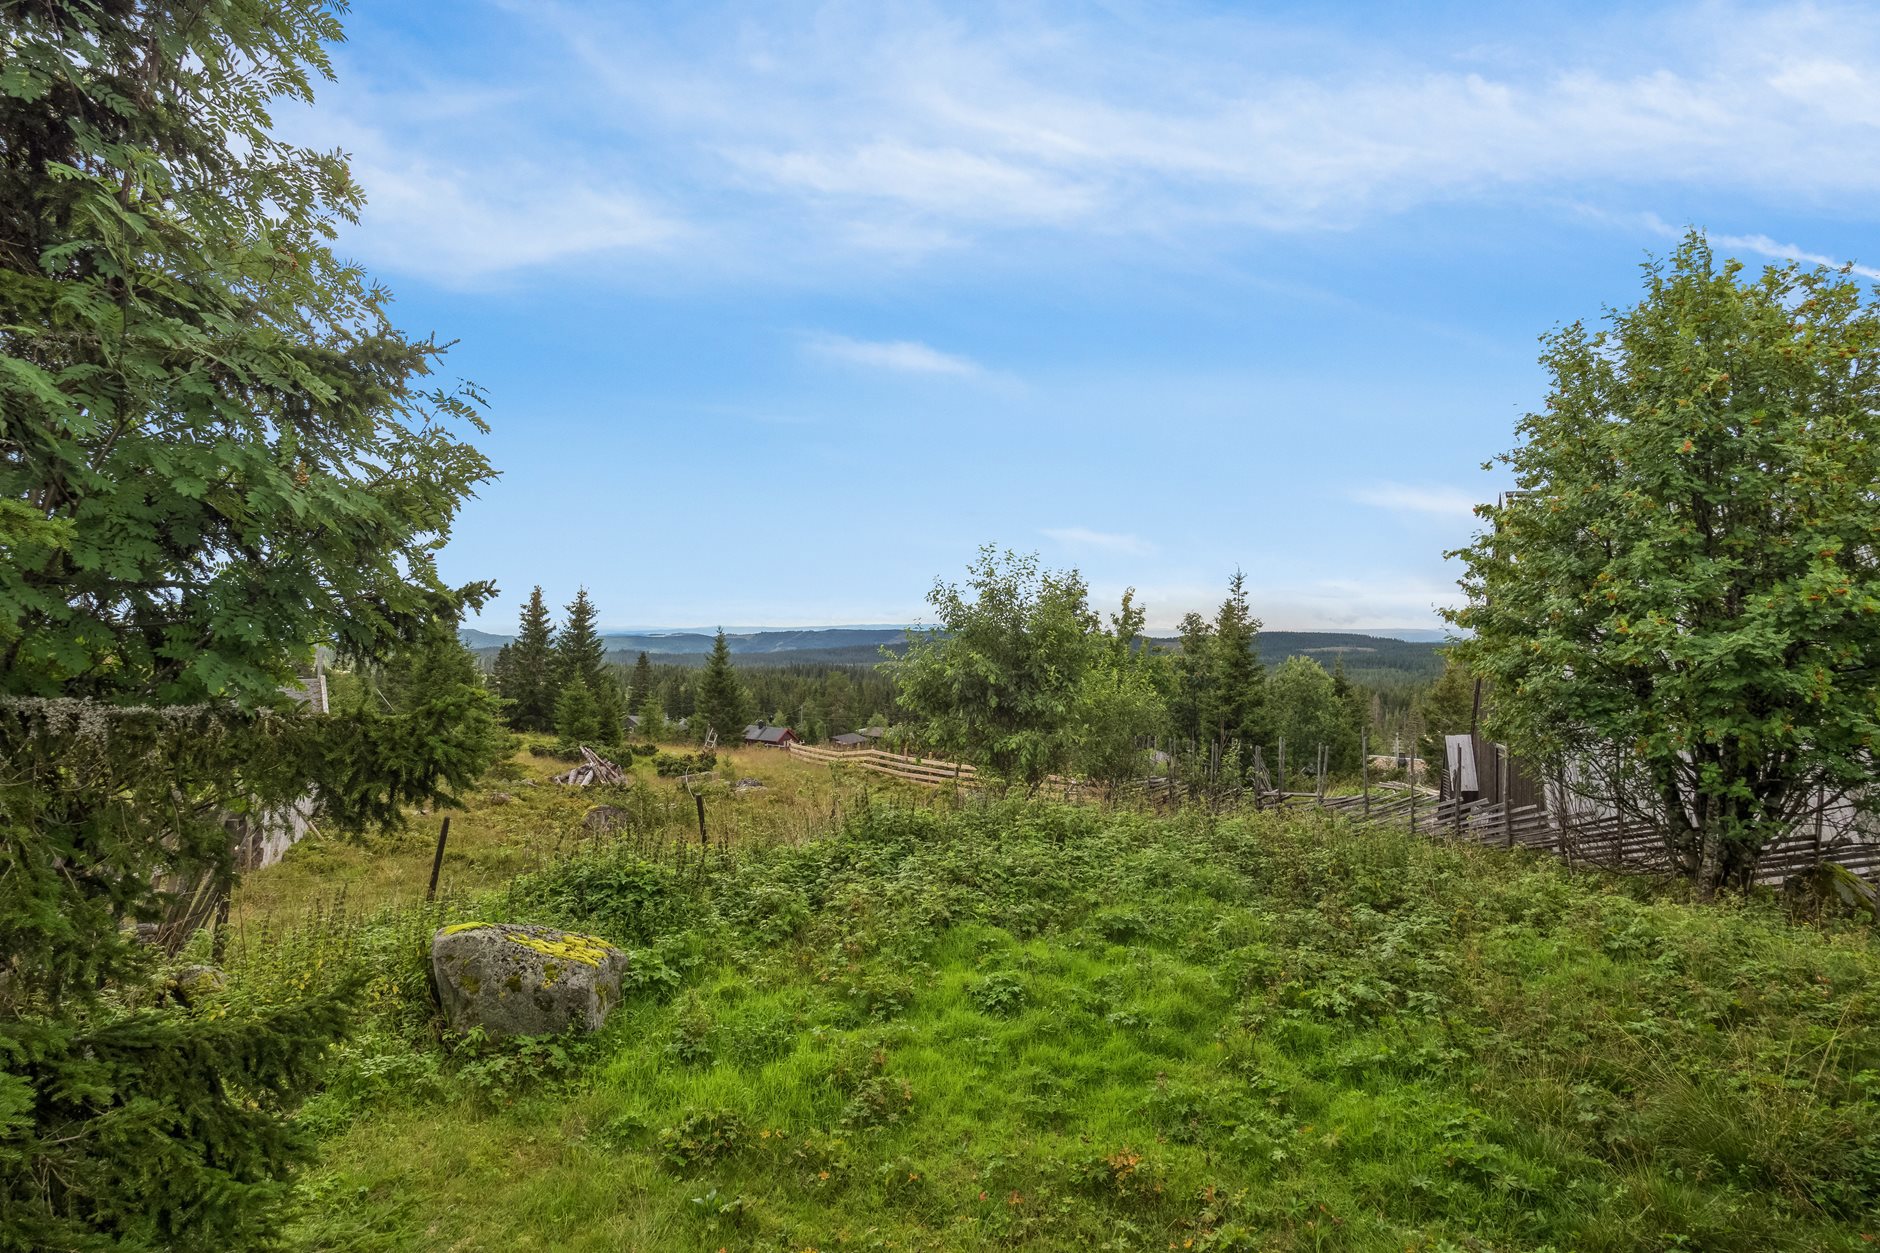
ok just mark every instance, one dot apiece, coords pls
pixel 703 1137
pixel 999 993
pixel 691 1041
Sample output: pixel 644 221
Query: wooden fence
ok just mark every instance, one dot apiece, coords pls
pixel 930 771
pixel 1608 841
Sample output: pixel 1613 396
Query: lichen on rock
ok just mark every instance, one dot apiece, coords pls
pixel 517 979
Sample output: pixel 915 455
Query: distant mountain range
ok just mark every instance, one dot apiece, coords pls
pixel 1362 654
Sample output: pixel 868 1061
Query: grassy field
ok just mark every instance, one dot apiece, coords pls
pixel 1047 1028
pixel 517 822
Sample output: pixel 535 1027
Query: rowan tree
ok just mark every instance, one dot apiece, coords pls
pixel 998 678
pixel 1305 707
pixel 217 455
pixel 1120 708
pixel 1685 583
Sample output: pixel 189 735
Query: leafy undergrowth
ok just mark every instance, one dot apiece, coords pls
pixel 1050 1028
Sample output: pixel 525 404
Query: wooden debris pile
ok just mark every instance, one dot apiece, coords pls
pixel 593 768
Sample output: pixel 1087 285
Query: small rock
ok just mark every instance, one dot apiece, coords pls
pixel 498 798
pixel 605 818
pixel 749 785
pixel 514 979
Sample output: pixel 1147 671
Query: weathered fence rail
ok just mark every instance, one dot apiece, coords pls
pixel 1607 841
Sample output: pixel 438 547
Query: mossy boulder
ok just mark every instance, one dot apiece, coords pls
pixel 514 979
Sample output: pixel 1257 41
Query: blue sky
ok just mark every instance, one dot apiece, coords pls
pixel 785 309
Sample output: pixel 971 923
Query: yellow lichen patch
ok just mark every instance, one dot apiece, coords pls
pixel 456 927
pixel 586 949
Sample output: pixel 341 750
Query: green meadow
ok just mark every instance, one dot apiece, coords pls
pixel 1031 1026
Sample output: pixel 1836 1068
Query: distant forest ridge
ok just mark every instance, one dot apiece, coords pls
pixel 1363 655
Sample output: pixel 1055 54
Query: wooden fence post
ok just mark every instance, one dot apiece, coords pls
pixel 1455 792
pixel 1507 803
pixel 437 860
pixel 1364 770
pixel 1618 812
pixel 1821 803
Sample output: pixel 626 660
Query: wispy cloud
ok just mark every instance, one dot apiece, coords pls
pixel 1767 247
pixel 1046 116
pixel 1760 245
pixel 786 132
pixel 1085 539
pixel 906 356
pixel 1444 502
pixel 460 212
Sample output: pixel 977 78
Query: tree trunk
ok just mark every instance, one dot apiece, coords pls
pixel 1710 866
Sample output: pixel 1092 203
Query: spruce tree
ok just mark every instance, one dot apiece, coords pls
pixel 1192 681
pixel 530 683
pixel 1356 719
pixel 216 456
pixel 642 684
pixel 652 717
pixel 1236 710
pixel 578 649
pixel 503 678
pixel 722 704
pixel 610 707
pixel 577 718
pixel 581 653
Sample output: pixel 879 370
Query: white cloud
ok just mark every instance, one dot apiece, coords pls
pixel 1444 502
pixel 904 355
pixel 455 225
pixel 461 212
pixel 1078 537
pixel 1767 247
pixel 1760 245
pixel 1045 116
pixel 792 135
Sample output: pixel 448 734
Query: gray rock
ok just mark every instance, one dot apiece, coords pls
pixel 605 818
pixel 514 979
pixel 192 984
